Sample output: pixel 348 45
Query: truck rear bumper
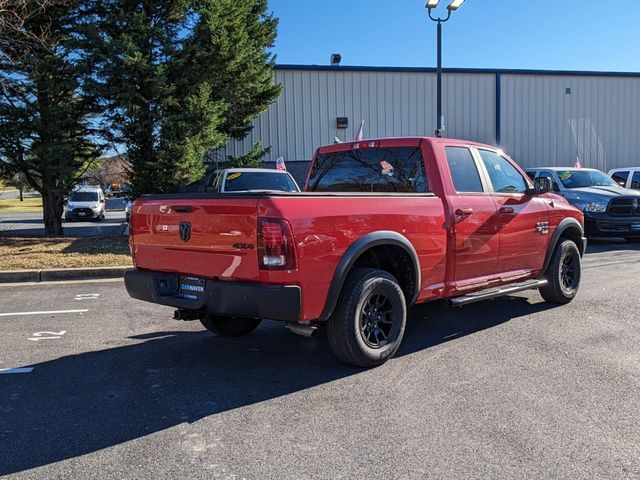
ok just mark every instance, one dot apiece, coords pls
pixel 226 299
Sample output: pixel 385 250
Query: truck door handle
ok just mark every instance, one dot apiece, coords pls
pixel 463 212
pixel 507 210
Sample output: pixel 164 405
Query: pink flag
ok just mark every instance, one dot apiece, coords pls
pixel 577 164
pixel 360 135
pixel 280 164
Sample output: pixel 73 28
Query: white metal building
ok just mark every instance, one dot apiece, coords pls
pixel 538 117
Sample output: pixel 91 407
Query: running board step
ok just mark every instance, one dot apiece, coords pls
pixel 497 292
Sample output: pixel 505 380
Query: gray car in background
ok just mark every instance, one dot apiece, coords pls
pixel 609 209
pixel 626 177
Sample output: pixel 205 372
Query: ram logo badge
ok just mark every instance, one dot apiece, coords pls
pixel 185 231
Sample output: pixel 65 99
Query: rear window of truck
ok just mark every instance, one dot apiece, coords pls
pixel 394 170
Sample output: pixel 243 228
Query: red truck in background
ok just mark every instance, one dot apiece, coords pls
pixel 382 225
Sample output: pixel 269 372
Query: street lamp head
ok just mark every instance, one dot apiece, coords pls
pixel 455 5
pixel 432 4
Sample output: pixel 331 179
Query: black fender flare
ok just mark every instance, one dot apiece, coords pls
pixel 563 226
pixel 355 250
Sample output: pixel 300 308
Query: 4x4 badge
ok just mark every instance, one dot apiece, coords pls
pixel 542 227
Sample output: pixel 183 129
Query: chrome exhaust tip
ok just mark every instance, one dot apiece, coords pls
pixel 303 330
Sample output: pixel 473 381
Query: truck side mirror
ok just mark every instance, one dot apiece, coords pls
pixel 543 185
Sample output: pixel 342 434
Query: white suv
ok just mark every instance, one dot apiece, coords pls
pixel 626 177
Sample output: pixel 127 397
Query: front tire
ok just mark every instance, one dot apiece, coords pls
pixel 563 274
pixel 230 326
pixel 368 325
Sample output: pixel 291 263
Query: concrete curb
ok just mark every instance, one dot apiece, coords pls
pixel 61 274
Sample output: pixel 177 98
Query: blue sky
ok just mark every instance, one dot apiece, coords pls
pixel 529 34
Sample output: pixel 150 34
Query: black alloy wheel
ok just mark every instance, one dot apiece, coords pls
pixel 376 320
pixel 569 272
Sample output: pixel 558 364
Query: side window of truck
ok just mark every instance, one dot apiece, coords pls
pixel 464 171
pixel 635 181
pixel 393 169
pixel 504 177
pixel 620 177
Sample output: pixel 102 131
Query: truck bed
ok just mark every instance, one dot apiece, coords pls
pixel 223 242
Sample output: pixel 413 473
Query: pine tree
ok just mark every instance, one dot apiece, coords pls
pixel 179 78
pixel 47 120
pixel 230 49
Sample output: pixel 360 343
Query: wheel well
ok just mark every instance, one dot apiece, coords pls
pixel 574 234
pixel 394 260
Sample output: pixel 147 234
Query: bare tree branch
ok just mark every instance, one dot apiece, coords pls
pixel 13 16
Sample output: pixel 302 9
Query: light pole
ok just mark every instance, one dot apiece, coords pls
pixel 453 6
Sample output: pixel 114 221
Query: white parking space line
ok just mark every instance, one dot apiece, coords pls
pixel 53 335
pixel 49 312
pixel 4 371
pixel 87 296
pixel 62 282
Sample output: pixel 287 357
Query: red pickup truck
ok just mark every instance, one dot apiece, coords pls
pixel 382 225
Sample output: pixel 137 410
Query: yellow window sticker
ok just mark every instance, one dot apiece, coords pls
pixel 233 176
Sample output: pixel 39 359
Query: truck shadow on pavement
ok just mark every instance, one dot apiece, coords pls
pixel 603 245
pixel 82 403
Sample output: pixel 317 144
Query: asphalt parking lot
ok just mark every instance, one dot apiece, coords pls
pixel 510 388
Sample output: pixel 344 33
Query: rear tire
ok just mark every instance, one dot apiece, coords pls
pixel 230 326
pixel 563 274
pixel 368 325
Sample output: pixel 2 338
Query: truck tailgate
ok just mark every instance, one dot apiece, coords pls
pixel 205 237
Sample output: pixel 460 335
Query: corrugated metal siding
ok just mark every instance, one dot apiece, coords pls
pixel 392 104
pixel 540 124
pixel 598 121
pixel 468 102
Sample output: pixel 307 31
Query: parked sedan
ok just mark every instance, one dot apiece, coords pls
pixel 626 177
pixel 609 209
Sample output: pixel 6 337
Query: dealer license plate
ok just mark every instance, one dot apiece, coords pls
pixel 192 287
pixel 82 214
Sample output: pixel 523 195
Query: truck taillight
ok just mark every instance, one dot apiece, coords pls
pixel 275 245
